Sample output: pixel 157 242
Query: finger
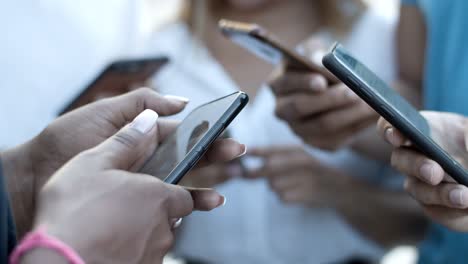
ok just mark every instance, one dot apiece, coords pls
pixel 297 82
pixel 281 165
pixel 334 141
pixel 415 164
pixel 453 218
pixel 207 176
pixel 223 150
pixel 300 105
pixel 446 194
pixel 206 199
pixel 166 127
pixel 272 150
pixel 179 201
pixel 129 145
pixel 285 182
pixel 126 107
pixel 339 119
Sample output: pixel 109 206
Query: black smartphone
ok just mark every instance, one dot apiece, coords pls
pixel 395 109
pixel 266 46
pixel 181 150
pixel 117 78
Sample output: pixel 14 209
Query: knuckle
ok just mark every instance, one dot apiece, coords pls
pixel 325 124
pixel 126 139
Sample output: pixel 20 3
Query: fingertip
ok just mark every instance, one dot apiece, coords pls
pixel 243 150
pixel 431 173
pixel 206 199
pixel 393 137
pixel 317 83
pixel 177 99
pixel 459 197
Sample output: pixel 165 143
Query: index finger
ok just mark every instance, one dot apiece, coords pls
pixel 297 82
pixel 222 150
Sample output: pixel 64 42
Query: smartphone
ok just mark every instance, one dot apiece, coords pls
pixel 117 78
pixel 395 109
pixel 266 46
pixel 183 149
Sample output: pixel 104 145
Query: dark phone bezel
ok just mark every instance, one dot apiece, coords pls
pixel 194 155
pixel 295 61
pixel 116 66
pixel 375 100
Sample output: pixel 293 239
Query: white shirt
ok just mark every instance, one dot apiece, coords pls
pixel 255 226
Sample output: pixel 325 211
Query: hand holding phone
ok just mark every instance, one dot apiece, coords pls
pixel 428 138
pixel 443 200
pixel 181 151
pixel 266 46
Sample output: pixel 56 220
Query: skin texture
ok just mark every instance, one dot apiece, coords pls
pixel 443 200
pixel 330 117
pixel 306 101
pixel 110 215
pixel 30 165
pixel 302 180
pixel 271 14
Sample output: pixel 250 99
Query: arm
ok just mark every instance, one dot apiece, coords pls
pixel 19 183
pixel 43 256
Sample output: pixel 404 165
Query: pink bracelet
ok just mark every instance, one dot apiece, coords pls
pixel 40 239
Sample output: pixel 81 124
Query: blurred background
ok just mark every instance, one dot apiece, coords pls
pixel 52 50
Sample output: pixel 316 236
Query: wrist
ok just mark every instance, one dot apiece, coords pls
pixel 20 182
pixel 42 255
pixel 40 247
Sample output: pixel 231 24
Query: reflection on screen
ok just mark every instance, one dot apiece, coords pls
pixel 455 147
pixel 257 47
pixel 186 137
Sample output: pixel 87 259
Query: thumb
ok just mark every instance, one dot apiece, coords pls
pixel 131 144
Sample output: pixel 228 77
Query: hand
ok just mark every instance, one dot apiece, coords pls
pixel 110 215
pixel 213 175
pixel 298 178
pixel 30 165
pixel 324 115
pixel 442 199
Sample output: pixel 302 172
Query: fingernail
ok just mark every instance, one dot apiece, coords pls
pixel 427 173
pixel 458 198
pixel 177 223
pixel 145 121
pixel 224 201
pixel 184 100
pixel 389 135
pixel 244 147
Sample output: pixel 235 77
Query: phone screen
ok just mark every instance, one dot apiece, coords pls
pixel 193 136
pixel 259 48
pixel 398 111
